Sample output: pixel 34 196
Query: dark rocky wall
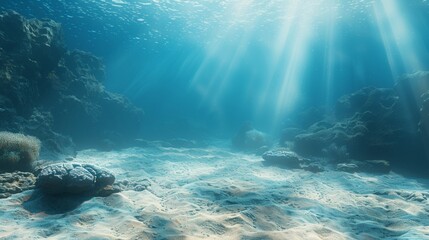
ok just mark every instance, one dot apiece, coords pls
pixel 57 94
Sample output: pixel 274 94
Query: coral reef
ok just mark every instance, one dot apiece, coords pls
pixel 56 94
pixel 18 151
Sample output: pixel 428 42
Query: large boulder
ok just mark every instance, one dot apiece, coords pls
pixel 73 178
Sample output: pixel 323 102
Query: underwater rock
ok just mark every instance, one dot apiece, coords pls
pixel 312 167
pixel 282 157
pixel 73 178
pixel 55 94
pixel 347 167
pixel 414 93
pixel 369 99
pixel 330 139
pixel 287 159
pixel 39 123
pixel 337 153
pixel 138 186
pixel 411 89
pixel 16 182
pixel 30 49
pixel 54 145
pixel 369 166
pixel 250 139
pixel 370 125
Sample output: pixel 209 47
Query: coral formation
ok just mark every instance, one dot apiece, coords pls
pixel 18 151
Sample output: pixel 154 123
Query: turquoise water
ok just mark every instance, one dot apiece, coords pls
pixel 212 65
pixel 263 119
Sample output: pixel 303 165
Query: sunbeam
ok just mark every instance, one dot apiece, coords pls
pixel 398 37
pixel 214 119
pixel 260 61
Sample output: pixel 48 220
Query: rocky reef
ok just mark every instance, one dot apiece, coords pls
pixel 56 94
pixel 372 128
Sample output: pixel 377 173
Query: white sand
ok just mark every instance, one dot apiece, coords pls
pixel 212 193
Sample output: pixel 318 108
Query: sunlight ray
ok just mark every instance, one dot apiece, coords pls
pixel 398 36
pixel 330 59
pixel 281 41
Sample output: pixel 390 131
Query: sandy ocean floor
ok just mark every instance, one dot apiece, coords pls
pixel 212 193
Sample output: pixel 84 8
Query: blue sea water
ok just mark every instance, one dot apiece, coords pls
pixel 200 69
pixel 208 66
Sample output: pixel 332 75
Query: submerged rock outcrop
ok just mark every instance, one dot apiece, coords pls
pixel 57 94
pixel 369 124
pixel 374 124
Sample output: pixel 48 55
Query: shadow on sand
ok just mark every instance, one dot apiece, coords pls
pixel 58 204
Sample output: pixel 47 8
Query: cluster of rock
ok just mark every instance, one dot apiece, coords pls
pixel 250 140
pixel 15 182
pixel 372 128
pixel 55 94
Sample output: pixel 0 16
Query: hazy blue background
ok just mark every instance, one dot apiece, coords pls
pixel 205 67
